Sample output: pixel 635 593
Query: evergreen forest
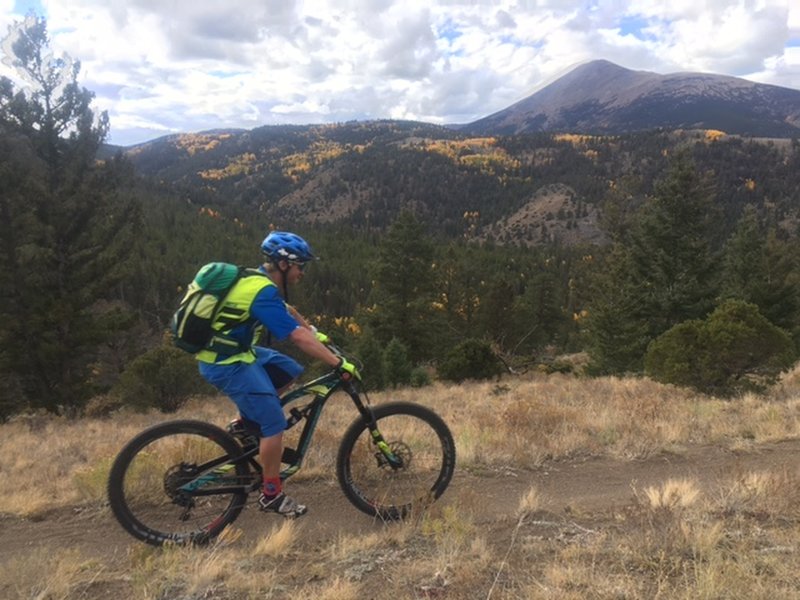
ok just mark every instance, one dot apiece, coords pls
pixel 671 254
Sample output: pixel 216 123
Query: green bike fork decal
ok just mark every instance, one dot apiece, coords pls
pixel 378 440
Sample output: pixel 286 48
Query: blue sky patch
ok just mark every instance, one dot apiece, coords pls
pixel 450 32
pixel 226 74
pixel 23 7
pixel 633 25
pixel 793 42
pixel 516 41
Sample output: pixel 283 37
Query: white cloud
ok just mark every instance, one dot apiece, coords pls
pixel 188 65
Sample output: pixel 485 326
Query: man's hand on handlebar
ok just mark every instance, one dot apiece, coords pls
pixel 321 337
pixel 347 370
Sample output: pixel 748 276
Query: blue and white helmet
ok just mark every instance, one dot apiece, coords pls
pixel 282 245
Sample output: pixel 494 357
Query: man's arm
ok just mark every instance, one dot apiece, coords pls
pixel 307 342
pixel 298 317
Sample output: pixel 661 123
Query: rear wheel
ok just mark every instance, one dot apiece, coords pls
pixel 423 446
pixel 175 482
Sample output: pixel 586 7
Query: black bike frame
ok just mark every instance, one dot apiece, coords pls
pixel 322 388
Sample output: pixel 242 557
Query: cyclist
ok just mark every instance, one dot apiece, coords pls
pixel 255 377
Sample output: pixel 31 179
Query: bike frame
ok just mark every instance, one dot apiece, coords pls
pixel 217 471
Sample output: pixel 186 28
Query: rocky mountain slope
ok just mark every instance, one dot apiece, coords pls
pixel 601 97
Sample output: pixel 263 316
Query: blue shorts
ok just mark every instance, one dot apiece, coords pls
pixel 252 386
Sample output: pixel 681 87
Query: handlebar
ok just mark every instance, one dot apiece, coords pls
pixel 335 349
pixel 341 354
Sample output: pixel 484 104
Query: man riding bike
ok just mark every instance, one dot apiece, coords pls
pixel 256 377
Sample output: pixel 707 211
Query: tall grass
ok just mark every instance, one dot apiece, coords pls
pixel 673 541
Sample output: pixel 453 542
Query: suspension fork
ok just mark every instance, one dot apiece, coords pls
pixel 395 461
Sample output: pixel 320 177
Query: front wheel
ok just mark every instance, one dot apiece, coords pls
pixel 416 471
pixel 176 482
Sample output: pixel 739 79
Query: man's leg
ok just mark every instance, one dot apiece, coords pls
pixel 281 369
pixel 269 452
pixel 272 497
pixel 254 394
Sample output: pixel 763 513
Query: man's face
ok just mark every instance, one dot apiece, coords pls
pixel 295 273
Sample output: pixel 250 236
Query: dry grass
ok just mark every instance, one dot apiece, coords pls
pixel 672 495
pixel 49 575
pixel 675 541
pixel 278 542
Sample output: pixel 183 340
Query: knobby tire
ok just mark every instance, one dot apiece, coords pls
pixel 424 442
pixel 147 471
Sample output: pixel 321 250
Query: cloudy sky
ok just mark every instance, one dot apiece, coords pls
pixel 166 66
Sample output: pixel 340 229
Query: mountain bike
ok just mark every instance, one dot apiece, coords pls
pixel 184 481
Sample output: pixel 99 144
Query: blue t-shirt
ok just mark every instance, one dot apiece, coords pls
pixel 270 310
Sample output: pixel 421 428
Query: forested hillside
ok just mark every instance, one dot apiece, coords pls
pixel 671 253
pixel 526 189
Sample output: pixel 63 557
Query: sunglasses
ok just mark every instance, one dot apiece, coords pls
pixel 300 265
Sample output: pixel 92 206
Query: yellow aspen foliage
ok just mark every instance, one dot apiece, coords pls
pixel 196 142
pixel 574 138
pixel 580 316
pixel 238 165
pixel 349 324
pixel 299 163
pixel 481 153
pixel 210 212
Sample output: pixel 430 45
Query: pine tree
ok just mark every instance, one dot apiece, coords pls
pixel 69 254
pixel 403 293
pixel 397 365
pixel 21 176
pixel 671 258
pixel 494 315
pixel 538 315
pixel 779 300
pixel 744 260
pixel 762 269
pixel 616 337
pixel 660 274
pixel 370 354
pixel 458 278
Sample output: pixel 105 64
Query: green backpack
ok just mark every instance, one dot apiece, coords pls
pixel 191 323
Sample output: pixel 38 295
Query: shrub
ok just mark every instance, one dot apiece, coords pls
pixel 420 377
pixel 471 359
pixel 163 378
pixel 735 349
pixel 370 355
pixel 102 405
pixel 396 364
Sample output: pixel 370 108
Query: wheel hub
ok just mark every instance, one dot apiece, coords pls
pixel 176 477
pixel 399 449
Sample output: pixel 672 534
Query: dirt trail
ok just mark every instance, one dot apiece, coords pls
pixel 585 489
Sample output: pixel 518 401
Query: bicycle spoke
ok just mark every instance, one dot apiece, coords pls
pixel 159 490
pixel 426 455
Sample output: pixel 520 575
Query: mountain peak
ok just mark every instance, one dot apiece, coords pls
pixel 601 66
pixel 602 97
